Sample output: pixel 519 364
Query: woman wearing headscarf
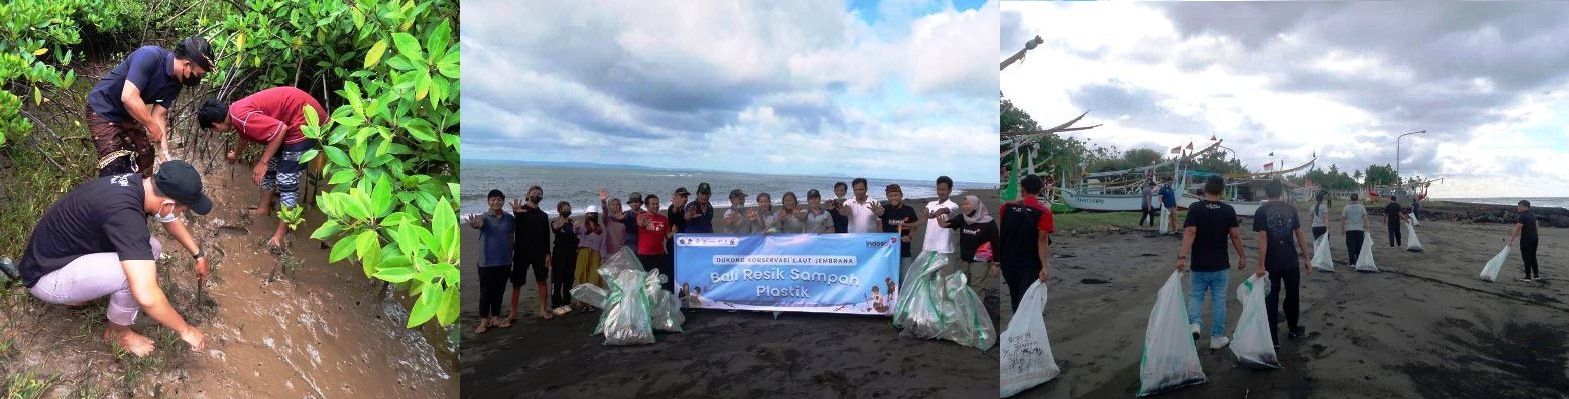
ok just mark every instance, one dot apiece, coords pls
pixel 977 235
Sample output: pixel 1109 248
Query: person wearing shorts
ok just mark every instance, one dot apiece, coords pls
pixel 532 247
pixel 272 117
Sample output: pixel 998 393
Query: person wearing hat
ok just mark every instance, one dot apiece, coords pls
pixel 628 218
pixel 818 221
pixel 735 221
pixel 590 240
pixel 272 117
pixel 128 109
pixel 700 213
pixel 496 229
pixel 677 215
pixel 94 242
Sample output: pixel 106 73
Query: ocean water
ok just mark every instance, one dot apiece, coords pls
pixel 580 185
pixel 1548 202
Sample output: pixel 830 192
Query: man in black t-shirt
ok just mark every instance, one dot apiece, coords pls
pixel 836 209
pixel 1023 240
pixel 94 242
pixel 533 250
pixel 1525 229
pixel 1279 237
pixel 1210 222
pixel 899 217
pixel 1393 216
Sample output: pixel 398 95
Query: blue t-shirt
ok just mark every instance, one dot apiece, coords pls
pixel 151 68
pixel 1168 197
pixel 496 237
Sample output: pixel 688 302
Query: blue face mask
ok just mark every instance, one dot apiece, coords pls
pixel 169 218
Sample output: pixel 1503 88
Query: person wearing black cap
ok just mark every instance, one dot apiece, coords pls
pixel 128 109
pixel 272 117
pixel 95 242
pixel 629 217
pixel 735 220
pixel 700 213
pixel 676 213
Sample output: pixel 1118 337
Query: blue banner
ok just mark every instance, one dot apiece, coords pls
pixel 826 273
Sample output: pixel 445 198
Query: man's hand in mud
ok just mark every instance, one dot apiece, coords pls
pixel 194 338
pixel 201 267
pixel 258 172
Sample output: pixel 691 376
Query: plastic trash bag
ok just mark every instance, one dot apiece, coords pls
pixel 918 311
pixel 1322 259
pixel 1250 341
pixel 968 323
pixel 1412 216
pixel 1165 227
pixel 623 259
pixel 590 294
pixel 1490 272
pixel 1412 244
pixel 1170 360
pixel 626 319
pixel 1026 349
pixel 1365 260
pixel 663 310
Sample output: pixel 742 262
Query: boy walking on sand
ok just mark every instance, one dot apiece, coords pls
pixel 1209 224
pixel 1279 238
pixel 1525 230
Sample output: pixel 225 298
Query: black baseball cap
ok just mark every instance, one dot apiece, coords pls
pixel 702 188
pixel 681 191
pixel 737 193
pixel 635 197
pixel 179 181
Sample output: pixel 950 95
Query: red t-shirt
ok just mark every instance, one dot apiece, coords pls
pixel 651 238
pixel 1045 222
pixel 280 110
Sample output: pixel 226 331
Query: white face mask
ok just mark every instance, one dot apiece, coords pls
pixel 166 219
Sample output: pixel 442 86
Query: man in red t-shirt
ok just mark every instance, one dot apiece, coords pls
pixel 1024 244
pixel 652 230
pixel 272 117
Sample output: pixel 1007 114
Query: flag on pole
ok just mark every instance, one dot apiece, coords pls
pixel 1190 145
pixel 1269 166
pixel 1176 150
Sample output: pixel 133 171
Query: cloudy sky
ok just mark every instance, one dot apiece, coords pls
pixel 1488 81
pixel 896 89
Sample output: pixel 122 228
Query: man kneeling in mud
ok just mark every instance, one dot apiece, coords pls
pixel 272 118
pixel 95 241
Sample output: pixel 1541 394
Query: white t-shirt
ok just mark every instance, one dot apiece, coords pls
pixel 1353 215
pixel 938 238
pixel 862 220
pixel 1320 213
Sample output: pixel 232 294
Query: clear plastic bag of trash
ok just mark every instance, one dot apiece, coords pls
pixel 968 323
pixel 1321 255
pixel 1365 260
pixel 1250 341
pixel 1490 272
pixel 664 311
pixel 1165 228
pixel 918 311
pixel 1170 360
pixel 590 294
pixel 1412 244
pixel 626 320
pixel 1026 355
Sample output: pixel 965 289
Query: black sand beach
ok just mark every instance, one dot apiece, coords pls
pixel 720 354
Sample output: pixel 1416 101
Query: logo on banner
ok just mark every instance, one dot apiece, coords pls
pixel 880 244
pixel 708 241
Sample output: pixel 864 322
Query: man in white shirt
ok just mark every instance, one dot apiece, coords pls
pixel 939 237
pixel 862 211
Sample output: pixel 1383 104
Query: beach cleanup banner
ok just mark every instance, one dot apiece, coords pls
pixel 825 273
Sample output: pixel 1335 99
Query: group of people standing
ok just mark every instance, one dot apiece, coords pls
pixel 567 250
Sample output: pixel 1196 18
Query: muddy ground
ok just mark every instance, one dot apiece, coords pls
pixel 720 354
pixel 311 330
pixel 1425 327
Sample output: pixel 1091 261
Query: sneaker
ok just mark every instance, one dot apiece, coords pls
pixel 1218 342
pixel 1195 331
pixel 1527 279
pixel 1298 332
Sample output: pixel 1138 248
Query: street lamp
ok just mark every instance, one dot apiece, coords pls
pixel 1397 148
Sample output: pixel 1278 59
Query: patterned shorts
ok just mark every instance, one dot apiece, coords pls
pixel 284 172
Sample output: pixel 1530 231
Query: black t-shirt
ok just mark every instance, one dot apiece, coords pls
pixel 566 237
pixel 972 235
pixel 1214 220
pixel 677 217
pixel 1392 213
pixel 533 239
pixel 702 224
pixel 101 215
pixel 841 221
pixel 1527 224
pixel 902 212
pixel 1018 236
pixel 1280 222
